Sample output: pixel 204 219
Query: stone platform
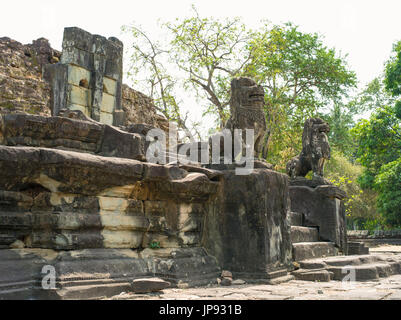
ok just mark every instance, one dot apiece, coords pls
pixel 94 273
pixel 100 222
pixel 75 196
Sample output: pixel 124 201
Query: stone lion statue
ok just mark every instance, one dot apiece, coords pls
pixel 246 105
pixel 315 150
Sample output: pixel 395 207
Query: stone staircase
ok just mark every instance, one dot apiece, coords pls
pixel 319 261
pixel 358 268
pixel 306 242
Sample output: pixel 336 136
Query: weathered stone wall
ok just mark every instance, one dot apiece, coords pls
pixel 139 108
pixel 247 228
pixel 23 89
pixel 63 200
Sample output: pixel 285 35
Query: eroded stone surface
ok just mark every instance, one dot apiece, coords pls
pixel 247 228
pixel 23 90
pixel 67 200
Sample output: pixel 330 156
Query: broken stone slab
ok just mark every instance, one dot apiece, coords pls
pixel 238 282
pixel 149 285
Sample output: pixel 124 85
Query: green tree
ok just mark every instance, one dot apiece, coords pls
pixel 147 68
pixel 388 184
pixel 342 117
pixel 379 146
pixel 393 76
pixel 301 77
pixel 379 142
pixel 393 71
pixel 341 121
pixel 210 52
pixel 373 96
pixel 360 204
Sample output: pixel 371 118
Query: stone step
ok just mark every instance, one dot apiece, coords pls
pixel 280 280
pixel 364 272
pixel 340 261
pixel 357 248
pixel 312 250
pixel 310 271
pixel 304 234
pixel 364 267
pixel 296 219
pixel 321 275
pixel 93 292
pixel 277 274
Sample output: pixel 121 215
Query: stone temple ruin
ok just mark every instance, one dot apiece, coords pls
pixel 77 196
pixel 89 77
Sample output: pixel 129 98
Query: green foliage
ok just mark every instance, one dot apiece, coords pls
pixel 379 142
pixel 147 67
pixel 154 245
pixel 301 76
pixel 397 109
pixel 341 120
pixel 379 146
pixel 388 184
pixel 210 52
pixel 370 224
pixel 373 96
pixel 299 73
pixel 360 204
pixel 393 71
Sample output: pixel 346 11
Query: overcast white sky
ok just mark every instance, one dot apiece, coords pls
pixel 363 29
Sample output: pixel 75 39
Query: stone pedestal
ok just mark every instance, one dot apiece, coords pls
pixel 247 228
pixel 322 207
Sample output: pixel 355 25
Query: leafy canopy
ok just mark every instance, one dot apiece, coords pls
pixel 301 77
